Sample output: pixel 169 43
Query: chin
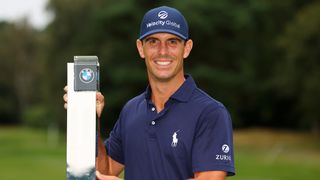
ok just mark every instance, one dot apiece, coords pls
pixel 164 77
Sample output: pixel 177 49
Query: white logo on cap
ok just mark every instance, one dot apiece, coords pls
pixel 162 14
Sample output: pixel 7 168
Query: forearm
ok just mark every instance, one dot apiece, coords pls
pixel 101 159
pixel 210 175
pixel 104 163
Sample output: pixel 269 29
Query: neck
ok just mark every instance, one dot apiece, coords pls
pixel 163 90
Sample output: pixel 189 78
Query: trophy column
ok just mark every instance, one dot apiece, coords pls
pixel 83 82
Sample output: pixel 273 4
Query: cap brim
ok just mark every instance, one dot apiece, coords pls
pixel 163 30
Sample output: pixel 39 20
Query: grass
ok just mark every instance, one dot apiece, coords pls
pixel 260 155
pixel 26 154
pixel 276 155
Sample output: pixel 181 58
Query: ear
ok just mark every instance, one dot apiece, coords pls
pixel 187 48
pixel 140 48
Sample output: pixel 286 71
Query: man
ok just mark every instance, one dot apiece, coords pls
pixel 173 130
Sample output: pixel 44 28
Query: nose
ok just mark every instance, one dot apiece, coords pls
pixel 163 48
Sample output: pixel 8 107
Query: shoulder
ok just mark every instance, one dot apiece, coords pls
pixel 211 110
pixel 134 102
pixel 202 99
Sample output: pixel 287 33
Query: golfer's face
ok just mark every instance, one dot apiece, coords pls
pixel 164 54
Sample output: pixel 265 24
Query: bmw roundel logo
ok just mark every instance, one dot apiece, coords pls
pixel 86 75
pixel 162 14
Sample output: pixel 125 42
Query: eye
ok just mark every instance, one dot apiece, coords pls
pixel 174 42
pixel 151 41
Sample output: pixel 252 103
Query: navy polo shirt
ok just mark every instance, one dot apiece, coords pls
pixel 193 133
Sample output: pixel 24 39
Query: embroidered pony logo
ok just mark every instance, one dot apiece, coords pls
pixel 175 139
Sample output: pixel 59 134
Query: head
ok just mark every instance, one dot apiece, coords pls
pixel 164 42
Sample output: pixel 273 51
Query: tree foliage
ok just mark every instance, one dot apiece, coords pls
pixel 21 70
pixel 299 71
pixel 260 58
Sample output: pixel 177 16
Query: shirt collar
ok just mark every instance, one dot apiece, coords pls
pixel 182 94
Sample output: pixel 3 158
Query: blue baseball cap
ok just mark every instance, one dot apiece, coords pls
pixel 164 19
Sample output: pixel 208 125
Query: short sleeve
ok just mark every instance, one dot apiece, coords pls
pixel 213 143
pixel 114 143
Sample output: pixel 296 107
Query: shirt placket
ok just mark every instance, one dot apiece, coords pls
pixel 154 117
pixel 154 122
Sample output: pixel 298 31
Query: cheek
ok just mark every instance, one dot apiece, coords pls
pixel 147 59
pixel 149 55
pixel 178 52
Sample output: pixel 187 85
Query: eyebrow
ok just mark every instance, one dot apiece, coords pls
pixel 149 38
pixel 175 38
pixel 154 38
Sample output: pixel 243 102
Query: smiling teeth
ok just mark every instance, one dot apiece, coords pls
pixel 163 63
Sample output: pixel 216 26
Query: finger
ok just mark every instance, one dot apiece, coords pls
pixel 65 89
pixel 101 176
pixel 99 96
pixel 100 99
pixel 65 106
pixel 65 97
pixel 99 103
pixel 98 175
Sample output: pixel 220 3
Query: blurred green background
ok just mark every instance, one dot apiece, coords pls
pixel 260 58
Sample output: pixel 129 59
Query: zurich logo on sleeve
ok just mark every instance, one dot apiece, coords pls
pixel 224 157
pixel 86 75
pixel 225 148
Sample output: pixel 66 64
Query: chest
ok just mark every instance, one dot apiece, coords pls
pixel 168 134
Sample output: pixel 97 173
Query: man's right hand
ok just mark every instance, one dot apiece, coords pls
pixel 99 101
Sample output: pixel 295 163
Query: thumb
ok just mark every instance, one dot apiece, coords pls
pixel 99 175
pixel 104 177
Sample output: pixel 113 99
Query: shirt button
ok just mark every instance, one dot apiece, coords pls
pixel 153 109
pixel 153 122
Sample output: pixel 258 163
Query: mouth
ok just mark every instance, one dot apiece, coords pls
pixel 163 63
